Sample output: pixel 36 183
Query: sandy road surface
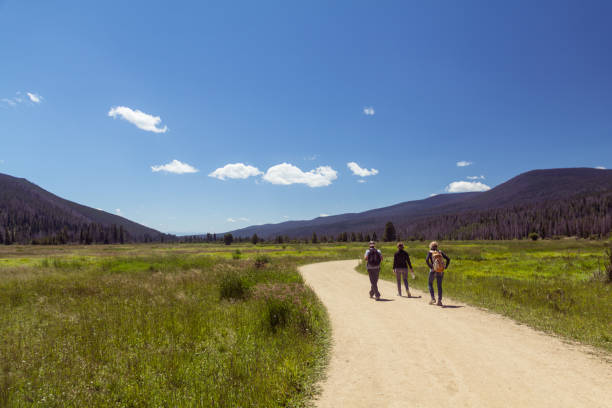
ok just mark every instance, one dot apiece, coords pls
pixel 407 353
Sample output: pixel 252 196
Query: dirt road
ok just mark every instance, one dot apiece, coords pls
pixel 406 353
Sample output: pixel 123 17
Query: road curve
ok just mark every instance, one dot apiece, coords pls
pixel 406 353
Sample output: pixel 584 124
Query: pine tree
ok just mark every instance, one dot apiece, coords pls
pixel 389 234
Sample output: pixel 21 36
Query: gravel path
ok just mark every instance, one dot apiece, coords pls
pixel 402 352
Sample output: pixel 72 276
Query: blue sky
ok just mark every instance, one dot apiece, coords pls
pixel 138 107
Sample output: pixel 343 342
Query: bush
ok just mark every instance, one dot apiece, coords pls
pixel 278 313
pixel 233 286
pixel 236 254
pixel 261 261
pixel 534 236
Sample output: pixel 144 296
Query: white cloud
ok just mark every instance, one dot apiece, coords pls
pixel 138 118
pixel 358 171
pixel 287 174
pixel 118 211
pixel 464 163
pixel 323 215
pixel 34 97
pixel 237 219
pixel 311 157
pixel 19 98
pixel 368 111
pixel 361 181
pixel 466 186
pixel 433 195
pixel 286 217
pixel 175 167
pixel 476 177
pixel 235 171
pixel 600 168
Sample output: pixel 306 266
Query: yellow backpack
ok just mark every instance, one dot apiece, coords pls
pixel 437 261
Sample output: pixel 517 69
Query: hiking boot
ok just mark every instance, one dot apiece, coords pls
pixel 378 296
pixel 371 294
pixel 432 301
pixel 439 302
pixel 399 293
pixel 408 293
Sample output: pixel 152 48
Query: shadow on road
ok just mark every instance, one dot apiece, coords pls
pixel 384 300
pixel 451 307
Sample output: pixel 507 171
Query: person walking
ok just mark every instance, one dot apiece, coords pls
pixel 436 262
pixel 401 263
pixel 373 257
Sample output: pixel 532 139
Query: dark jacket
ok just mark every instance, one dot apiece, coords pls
pixel 401 259
pixel 430 261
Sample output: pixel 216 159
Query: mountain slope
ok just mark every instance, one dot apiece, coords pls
pixel 28 212
pixel 528 201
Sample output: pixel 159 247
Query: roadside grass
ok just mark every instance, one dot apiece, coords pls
pixel 555 286
pixel 160 326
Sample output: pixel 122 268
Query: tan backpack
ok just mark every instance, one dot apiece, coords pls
pixel 437 261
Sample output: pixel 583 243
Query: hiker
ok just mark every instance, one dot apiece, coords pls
pixel 401 263
pixel 435 260
pixel 373 257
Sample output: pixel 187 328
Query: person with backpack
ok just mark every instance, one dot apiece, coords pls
pixel 437 262
pixel 373 257
pixel 401 263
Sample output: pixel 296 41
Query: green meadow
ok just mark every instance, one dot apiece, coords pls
pixel 155 325
pixel 215 325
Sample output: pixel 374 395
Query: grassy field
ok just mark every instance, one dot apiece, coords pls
pixel 557 286
pixel 215 325
pixel 155 325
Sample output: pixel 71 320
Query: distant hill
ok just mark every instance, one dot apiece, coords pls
pixel 29 214
pixel 550 202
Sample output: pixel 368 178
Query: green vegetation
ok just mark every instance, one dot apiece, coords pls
pixel 558 286
pixel 217 325
pixel 159 325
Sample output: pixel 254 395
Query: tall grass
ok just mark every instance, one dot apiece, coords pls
pixel 161 330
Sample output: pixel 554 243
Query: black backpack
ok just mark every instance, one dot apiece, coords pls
pixel 374 257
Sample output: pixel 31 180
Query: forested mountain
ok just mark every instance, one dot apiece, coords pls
pixel 548 202
pixel 29 214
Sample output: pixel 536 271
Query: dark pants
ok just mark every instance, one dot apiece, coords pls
pixel 401 273
pixel 373 274
pixel 438 277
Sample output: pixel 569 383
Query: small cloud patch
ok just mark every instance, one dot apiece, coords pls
pixel 235 171
pixel 138 118
pixel 600 168
pixel 368 111
pixel 466 186
pixel 34 97
pixel 361 172
pixel 464 163
pixel 240 219
pixel 287 174
pixel 175 167
pixel 476 177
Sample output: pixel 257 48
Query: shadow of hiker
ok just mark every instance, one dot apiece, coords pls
pixel 451 307
pixel 384 300
pixel 412 297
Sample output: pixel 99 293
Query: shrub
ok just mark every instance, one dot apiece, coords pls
pixel 236 254
pixel 534 236
pixel 278 313
pixel 233 286
pixel 261 261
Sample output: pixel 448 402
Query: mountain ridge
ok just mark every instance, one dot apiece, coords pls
pixel 527 189
pixel 29 213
